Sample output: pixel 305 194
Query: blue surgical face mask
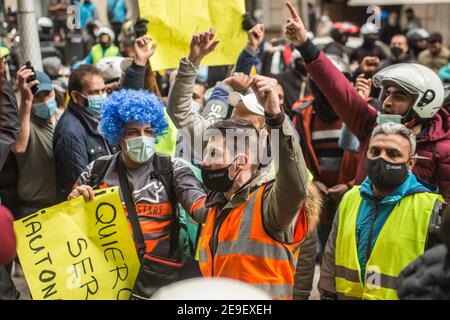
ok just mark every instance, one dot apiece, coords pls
pixel 45 110
pixel 95 103
pixel 196 106
pixel 140 149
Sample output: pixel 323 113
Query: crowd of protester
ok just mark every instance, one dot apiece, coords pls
pixel 346 158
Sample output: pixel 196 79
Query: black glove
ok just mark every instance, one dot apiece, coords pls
pixel 140 27
pixel 248 22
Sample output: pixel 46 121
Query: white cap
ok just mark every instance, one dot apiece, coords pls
pixel 249 101
pixel 210 289
pixel 113 67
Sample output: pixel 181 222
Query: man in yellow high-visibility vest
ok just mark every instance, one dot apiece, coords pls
pixel 103 48
pixel 382 225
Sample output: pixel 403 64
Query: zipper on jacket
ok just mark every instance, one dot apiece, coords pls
pixel 215 235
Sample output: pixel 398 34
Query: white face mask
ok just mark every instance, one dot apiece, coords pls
pixel 140 149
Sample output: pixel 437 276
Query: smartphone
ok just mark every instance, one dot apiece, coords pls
pixel 31 78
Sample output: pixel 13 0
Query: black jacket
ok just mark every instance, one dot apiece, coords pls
pixel 427 277
pixel 9 120
pixel 9 130
pixel 134 77
pixel 76 143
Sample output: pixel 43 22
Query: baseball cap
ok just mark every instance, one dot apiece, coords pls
pixel 52 65
pixel 45 84
pixel 249 100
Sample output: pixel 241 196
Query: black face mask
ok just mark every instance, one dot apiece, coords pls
pixel 218 180
pixel 321 105
pixel 105 45
pixel 396 52
pixel 385 175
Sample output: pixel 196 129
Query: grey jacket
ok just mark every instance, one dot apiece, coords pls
pixel 192 125
pixel 286 195
pixel 195 125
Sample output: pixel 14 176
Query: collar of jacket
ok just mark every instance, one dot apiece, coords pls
pixel 240 196
pixel 410 186
pixel 437 128
pixel 88 123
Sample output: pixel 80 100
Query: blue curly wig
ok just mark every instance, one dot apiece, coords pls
pixel 125 106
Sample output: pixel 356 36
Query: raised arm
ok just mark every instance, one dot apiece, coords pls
pixel 286 197
pixel 180 94
pixel 342 96
pixel 26 101
pixel 135 73
pixel 248 57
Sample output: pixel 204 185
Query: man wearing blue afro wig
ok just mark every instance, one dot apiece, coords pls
pixel 131 108
pixel 157 184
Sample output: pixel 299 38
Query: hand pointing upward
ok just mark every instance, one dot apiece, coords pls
pixel 294 29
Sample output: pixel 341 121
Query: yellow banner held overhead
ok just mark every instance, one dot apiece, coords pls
pixel 173 22
pixel 78 250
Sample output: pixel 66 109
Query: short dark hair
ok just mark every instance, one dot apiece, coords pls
pixel 76 78
pixel 409 10
pixel 435 37
pixel 400 35
pixel 236 129
pixel 236 124
pixel 201 83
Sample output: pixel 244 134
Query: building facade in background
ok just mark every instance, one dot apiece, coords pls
pixel 41 8
pixel 434 16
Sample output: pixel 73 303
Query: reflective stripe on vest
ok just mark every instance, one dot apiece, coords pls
pixel 247 253
pixel 97 52
pixel 401 240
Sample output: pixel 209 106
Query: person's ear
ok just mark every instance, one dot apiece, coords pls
pixel 75 95
pixel 411 163
pixel 241 161
pixel 122 144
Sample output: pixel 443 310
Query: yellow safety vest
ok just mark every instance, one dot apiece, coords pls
pixel 401 240
pixel 167 143
pixel 97 52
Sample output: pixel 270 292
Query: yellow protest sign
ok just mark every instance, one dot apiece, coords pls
pixel 78 250
pixel 173 22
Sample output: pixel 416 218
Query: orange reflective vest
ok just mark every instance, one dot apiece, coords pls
pixel 244 251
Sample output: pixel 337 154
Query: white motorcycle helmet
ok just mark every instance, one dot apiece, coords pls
pixel 45 23
pixel 210 289
pixel 113 68
pixel 420 81
pixel 105 30
pixel 368 28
